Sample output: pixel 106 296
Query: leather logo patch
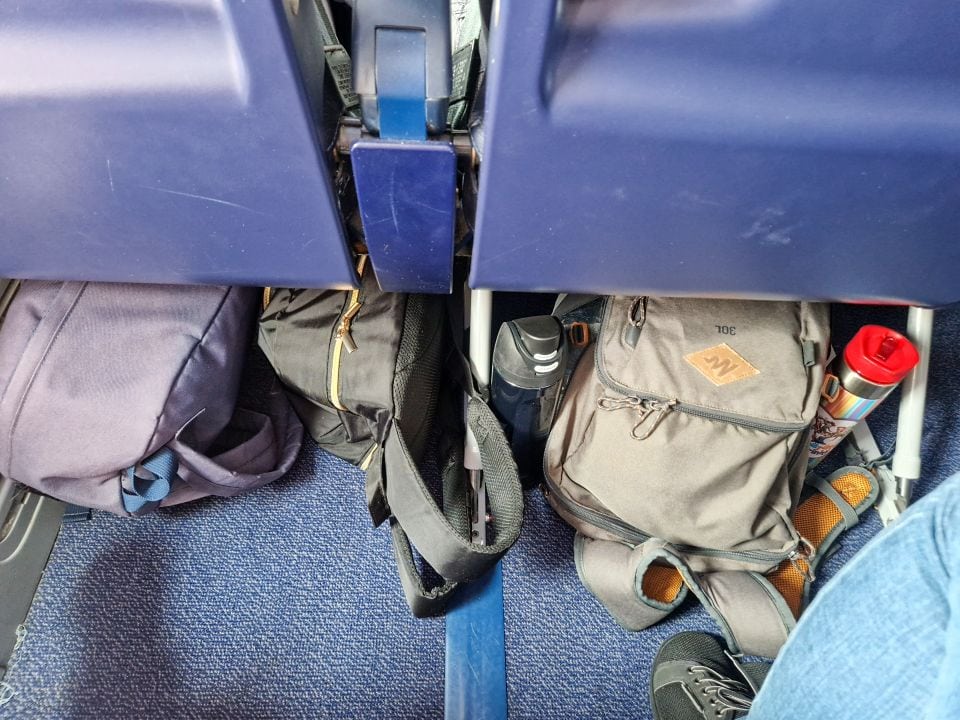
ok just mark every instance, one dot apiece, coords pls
pixel 721 364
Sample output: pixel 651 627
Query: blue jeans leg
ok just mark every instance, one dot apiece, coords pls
pixel 882 639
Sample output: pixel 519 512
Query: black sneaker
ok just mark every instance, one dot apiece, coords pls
pixel 694 678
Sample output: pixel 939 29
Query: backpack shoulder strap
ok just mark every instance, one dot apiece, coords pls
pixel 610 571
pixel 441 532
pixel 642 585
pixel 417 519
pixel 754 617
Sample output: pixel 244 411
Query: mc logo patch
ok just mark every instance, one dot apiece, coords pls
pixel 721 364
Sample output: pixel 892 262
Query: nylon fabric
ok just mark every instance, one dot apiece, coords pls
pixel 768 335
pixel 746 607
pixel 417 379
pixel 662 584
pixel 740 500
pixel 758 618
pixel 737 501
pixel 819 515
pixel 402 389
pixel 145 493
pixel 611 571
pixel 449 551
pixel 790 583
pixel 76 412
pixel 684 433
pixel 297 333
pixel 422 600
pixel 272 442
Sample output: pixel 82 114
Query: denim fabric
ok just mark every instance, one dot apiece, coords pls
pixel 883 638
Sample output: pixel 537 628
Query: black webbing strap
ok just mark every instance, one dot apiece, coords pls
pixel 433 531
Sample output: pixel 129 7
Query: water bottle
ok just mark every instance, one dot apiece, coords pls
pixel 872 365
pixel 528 364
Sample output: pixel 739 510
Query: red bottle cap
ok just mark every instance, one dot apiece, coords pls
pixel 880 355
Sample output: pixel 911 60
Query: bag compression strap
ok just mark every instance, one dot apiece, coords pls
pixel 144 491
pixel 337 61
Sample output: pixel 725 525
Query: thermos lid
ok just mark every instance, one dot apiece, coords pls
pixel 540 334
pixel 880 355
pixel 529 352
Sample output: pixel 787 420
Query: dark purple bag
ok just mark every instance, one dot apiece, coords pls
pixel 121 397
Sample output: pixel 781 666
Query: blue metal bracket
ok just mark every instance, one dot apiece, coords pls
pixel 401 83
pixel 432 18
pixel 407 195
pixel 406 184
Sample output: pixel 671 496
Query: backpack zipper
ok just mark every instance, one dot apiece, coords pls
pixel 618 527
pixel 594 517
pixel 644 408
pixel 343 338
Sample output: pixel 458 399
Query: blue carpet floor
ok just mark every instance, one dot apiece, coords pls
pixel 284 603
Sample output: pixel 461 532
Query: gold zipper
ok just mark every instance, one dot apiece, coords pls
pixel 343 339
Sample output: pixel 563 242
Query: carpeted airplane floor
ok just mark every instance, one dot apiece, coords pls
pixel 285 604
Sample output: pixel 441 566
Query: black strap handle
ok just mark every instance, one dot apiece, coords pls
pixel 418 520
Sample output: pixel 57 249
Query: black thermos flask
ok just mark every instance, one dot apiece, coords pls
pixel 528 366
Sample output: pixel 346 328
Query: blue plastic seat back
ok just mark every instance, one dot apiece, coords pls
pixel 758 148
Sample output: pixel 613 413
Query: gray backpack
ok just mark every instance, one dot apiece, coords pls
pixel 121 397
pixel 379 380
pixel 679 452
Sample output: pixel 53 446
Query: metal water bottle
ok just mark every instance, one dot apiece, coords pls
pixel 528 364
pixel 872 365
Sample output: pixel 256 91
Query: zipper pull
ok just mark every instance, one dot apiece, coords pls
pixel 804 551
pixel 661 408
pixel 620 403
pixel 636 317
pixel 644 407
pixel 343 331
pixel 361 265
